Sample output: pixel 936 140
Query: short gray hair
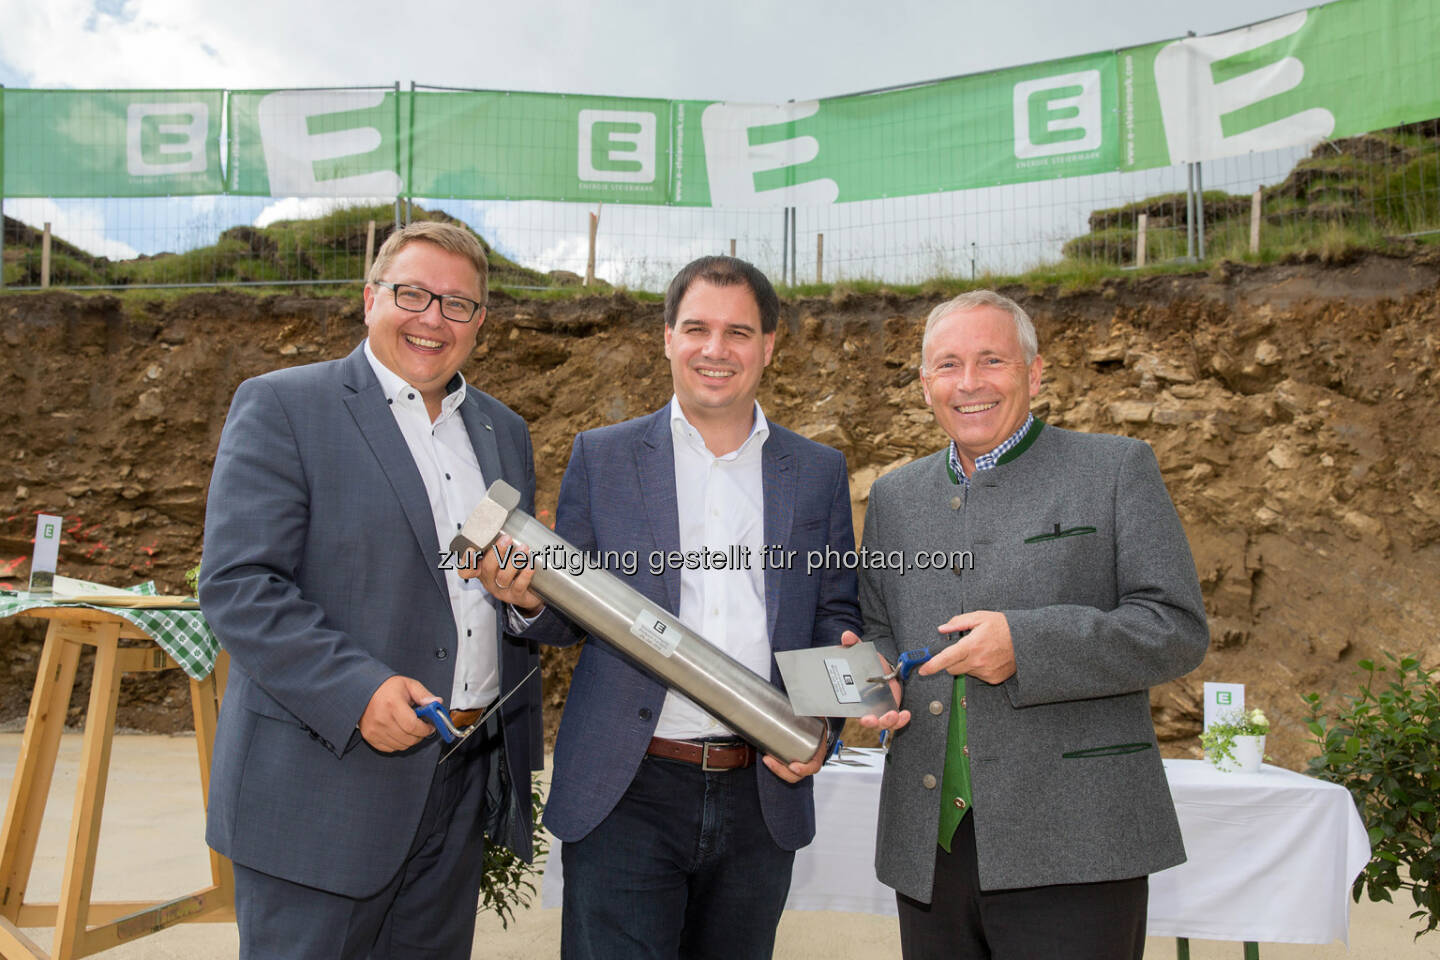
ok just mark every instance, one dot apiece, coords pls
pixel 1024 329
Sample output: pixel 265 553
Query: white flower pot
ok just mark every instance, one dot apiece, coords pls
pixel 1248 753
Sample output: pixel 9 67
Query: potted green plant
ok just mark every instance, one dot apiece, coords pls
pixel 1236 742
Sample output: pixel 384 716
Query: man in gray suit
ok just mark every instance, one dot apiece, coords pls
pixel 335 486
pixel 1024 802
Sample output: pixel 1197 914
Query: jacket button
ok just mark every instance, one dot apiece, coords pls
pixel 956 503
pixel 936 707
pixel 960 803
pixel 965 750
pixel 441 653
pixel 929 781
pixel 644 713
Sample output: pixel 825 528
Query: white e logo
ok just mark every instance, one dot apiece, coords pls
pixel 617 146
pixel 732 158
pixel 163 139
pixel 1057 115
pixel 292 150
pixel 1195 105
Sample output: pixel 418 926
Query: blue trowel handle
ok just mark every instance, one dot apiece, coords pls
pixel 909 660
pixel 435 712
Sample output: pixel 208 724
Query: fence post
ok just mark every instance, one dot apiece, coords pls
pixel 819 258
pixel 1255 222
pixel 409 154
pixel 794 245
pixel 1190 211
pixel 1200 209
pixel 1142 225
pixel 785 245
pixel 590 257
pixel 369 249
pixel 732 246
pixel 45 256
pixel 398 142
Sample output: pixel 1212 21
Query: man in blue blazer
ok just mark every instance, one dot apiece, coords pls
pixel 677 842
pixel 334 488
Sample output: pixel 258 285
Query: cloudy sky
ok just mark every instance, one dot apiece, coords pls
pixel 744 50
pixel 758 50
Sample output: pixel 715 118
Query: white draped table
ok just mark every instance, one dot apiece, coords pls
pixel 1271 854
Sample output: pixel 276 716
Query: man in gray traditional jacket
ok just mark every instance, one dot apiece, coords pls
pixel 1024 803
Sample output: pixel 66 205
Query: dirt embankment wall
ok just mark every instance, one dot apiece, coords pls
pixel 1291 408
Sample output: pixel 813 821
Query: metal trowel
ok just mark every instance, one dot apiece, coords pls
pixel 833 681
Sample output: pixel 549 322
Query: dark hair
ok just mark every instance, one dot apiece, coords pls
pixel 724 272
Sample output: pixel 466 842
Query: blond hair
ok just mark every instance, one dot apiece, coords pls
pixel 446 236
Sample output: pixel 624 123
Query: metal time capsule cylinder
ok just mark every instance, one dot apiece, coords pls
pixel 649 635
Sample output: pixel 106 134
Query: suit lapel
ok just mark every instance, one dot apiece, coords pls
pixel 655 465
pixel 482 438
pixel 366 403
pixel 777 477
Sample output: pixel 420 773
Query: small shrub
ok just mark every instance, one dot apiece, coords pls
pixel 1384 747
pixel 507 880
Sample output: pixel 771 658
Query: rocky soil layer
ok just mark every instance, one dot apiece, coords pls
pixel 1291 408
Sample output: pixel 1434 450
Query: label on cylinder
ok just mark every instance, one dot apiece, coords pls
pixel 656 630
pixel 846 690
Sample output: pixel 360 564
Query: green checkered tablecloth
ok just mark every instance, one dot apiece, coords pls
pixel 183 634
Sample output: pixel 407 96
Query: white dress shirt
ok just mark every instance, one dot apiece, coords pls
pixel 453 483
pixel 721 504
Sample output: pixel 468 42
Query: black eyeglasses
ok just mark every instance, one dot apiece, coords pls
pixel 418 300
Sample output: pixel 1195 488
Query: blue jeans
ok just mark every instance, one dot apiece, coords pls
pixel 683 867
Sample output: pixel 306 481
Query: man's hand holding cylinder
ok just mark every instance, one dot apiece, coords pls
pixel 508 582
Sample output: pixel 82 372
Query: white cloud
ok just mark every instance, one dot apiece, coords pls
pixel 650 48
pixel 67 43
pixel 308 208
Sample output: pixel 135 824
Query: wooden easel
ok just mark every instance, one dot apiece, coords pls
pixel 116 922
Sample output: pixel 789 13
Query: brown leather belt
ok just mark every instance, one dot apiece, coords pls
pixel 711 755
pixel 466 718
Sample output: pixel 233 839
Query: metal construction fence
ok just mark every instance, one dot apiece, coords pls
pixel 1367 188
pixel 1314 129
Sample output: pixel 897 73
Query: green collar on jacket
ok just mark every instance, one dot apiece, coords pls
pixel 1008 455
